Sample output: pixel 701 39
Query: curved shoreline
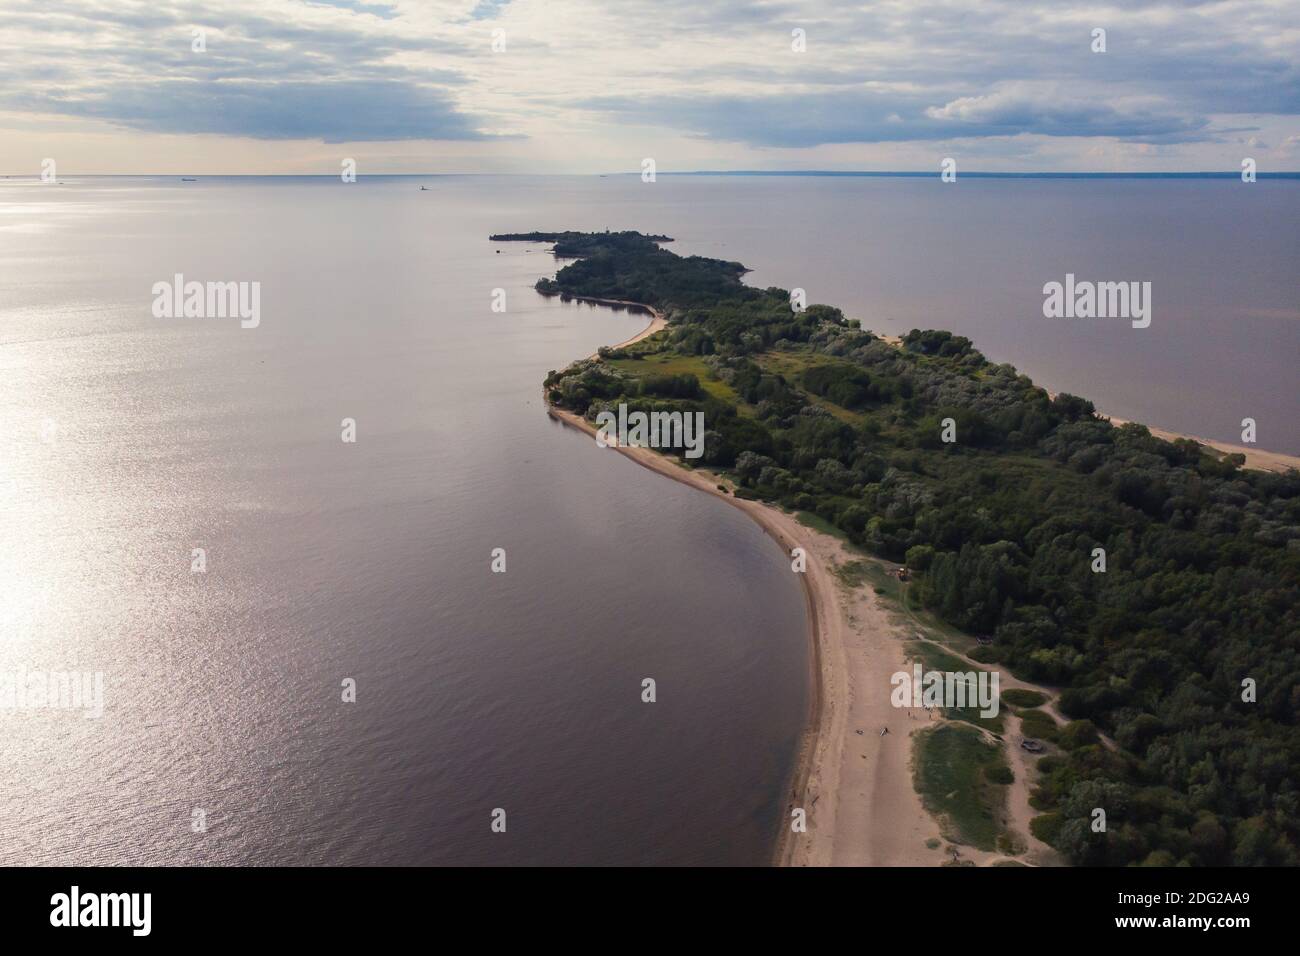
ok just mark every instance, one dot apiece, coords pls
pixel 817 599
pixel 657 321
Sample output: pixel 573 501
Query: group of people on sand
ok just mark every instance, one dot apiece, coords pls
pixel 930 714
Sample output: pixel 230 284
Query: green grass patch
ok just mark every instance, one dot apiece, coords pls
pixel 1019 697
pixel 1039 724
pixel 999 774
pixel 1046 827
pixel 879 576
pixel 948 773
pixel 670 363
pixel 793 363
pixel 864 571
pixel 927 622
pixel 815 521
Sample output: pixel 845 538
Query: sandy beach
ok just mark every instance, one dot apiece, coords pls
pixel 657 320
pixel 657 324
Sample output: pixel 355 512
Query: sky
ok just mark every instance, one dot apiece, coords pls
pixel 573 86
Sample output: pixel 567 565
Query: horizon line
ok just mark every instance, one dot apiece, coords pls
pixel 912 174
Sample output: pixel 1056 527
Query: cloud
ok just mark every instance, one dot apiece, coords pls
pixel 925 71
pixel 1051 112
pixel 333 112
pixel 386 11
pixel 870 117
pixel 488 9
pixel 719 76
pixel 334 72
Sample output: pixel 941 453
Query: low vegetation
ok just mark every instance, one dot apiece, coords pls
pixel 952 763
pixel 1019 697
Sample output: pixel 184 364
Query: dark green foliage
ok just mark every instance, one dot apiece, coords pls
pixel 844 385
pixel 1018 697
pixel 1000 774
pixel 1076 734
pixel 936 342
pixel 671 386
pixel 1039 725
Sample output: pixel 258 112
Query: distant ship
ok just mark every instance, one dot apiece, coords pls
pixel 188 179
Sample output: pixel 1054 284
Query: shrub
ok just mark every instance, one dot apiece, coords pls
pixel 1019 697
pixel 1000 774
pixel 1046 827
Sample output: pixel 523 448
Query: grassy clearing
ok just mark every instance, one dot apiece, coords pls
pixel 811 520
pixel 1038 723
pixel 949 775
pixel 668 363
pixel 877 574
pixel 934 628
pixel 1019 697
pixel 792 364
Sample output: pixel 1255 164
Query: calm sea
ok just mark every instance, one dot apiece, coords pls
pixel 128 441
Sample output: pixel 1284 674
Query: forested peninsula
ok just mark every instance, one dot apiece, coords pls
pixel 1185 650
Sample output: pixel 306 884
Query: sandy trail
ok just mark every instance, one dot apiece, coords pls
pixel 1018 810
